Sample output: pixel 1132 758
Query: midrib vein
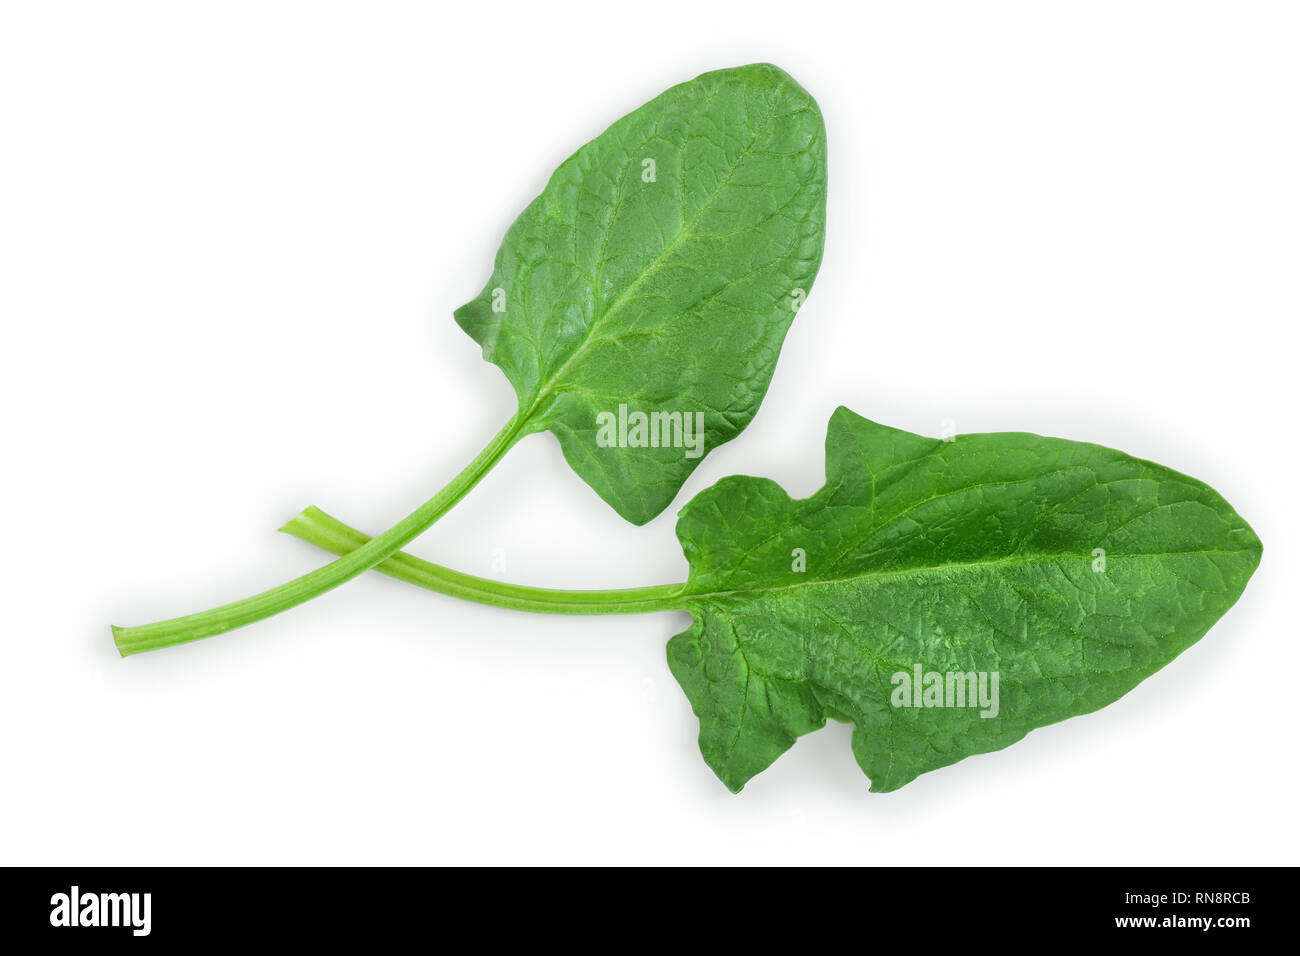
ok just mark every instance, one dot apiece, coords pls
pixel 1010 560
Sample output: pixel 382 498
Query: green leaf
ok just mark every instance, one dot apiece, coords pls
pixel 983 554
pixel 659 271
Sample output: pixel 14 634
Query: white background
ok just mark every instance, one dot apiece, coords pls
pixel 231 238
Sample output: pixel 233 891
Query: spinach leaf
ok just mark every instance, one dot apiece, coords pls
pixel 659 271
pixel 1069 570
pixel 1038 578
pixel 651 283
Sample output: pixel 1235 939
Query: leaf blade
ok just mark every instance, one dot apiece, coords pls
pixel 667 296
pixel 972 556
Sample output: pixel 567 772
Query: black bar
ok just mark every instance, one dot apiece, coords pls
pixel 907 905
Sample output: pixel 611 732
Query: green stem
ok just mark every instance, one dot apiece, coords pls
pixel 147 637
pixel 316 527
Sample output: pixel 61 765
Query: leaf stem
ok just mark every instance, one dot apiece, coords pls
pixel 192 627
pixel 325 531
